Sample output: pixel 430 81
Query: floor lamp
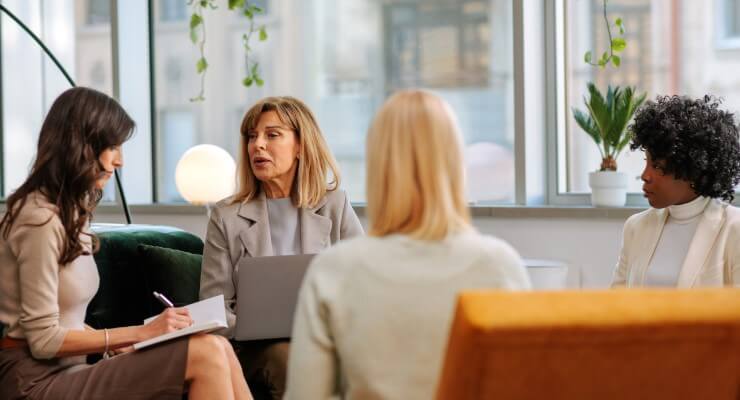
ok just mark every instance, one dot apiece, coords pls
pixel 121 195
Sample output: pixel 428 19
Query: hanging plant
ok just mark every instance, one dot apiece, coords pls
pixel 198 37
pixel 616 45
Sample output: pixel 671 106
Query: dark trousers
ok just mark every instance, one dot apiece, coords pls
pixel 265 365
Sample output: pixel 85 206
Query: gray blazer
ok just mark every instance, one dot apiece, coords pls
pixel 242 230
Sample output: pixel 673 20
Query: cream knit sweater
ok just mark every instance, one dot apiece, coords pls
pixel 374 313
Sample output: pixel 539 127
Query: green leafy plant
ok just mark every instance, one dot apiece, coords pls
pixel 607 119
pixel 608 116
pixel 198 37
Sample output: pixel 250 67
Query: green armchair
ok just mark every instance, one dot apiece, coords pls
pixel 135 260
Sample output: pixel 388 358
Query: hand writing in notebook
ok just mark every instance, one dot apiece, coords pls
pixel 170 320
pixel 205 315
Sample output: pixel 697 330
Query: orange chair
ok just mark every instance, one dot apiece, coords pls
pixel 616 344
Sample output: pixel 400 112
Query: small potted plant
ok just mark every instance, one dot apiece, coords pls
pixel 606 123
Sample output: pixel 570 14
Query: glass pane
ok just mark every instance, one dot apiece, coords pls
pixel 98 12
pixel 177 134
pixel 732 13
pixel 78 33
pixel 661 58
pixel 172 10
pixel 343 58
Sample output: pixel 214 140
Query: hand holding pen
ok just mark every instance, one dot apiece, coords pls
pixel 171 319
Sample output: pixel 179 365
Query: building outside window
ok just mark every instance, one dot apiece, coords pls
pixel 173 10
pixel 98 12
pixel 732 18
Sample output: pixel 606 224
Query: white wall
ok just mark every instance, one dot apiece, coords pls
pixel 589 246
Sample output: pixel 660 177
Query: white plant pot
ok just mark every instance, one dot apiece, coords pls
pixel 608 188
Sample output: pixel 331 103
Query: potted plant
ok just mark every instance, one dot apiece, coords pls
pixel 606 123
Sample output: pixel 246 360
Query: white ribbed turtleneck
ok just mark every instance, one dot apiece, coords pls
pixel 673 245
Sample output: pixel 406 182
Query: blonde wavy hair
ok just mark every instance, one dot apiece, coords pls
pixel 315 161
pixel 415 182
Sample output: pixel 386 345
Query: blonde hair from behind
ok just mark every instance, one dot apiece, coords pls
pixel 415 182
pixel 315 159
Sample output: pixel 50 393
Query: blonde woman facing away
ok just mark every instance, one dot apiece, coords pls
pixel 374 312
pixel 284 205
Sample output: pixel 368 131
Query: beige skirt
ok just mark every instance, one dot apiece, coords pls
pixel 156 372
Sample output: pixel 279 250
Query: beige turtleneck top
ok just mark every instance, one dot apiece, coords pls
pixel 41 300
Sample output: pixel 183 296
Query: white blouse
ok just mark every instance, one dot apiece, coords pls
pixel 285 232
pixel 675 240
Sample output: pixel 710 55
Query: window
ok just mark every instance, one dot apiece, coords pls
pixel 263 4
pixel 438 45
pixel 661 58
pixel 728 24
pixel 98 12
pixel 32 81
pixel 343 58
pixel 732 13
pixel 177 135
pixel 173 10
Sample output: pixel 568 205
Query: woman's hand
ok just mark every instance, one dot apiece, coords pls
pixel 122 350
pixel 171 319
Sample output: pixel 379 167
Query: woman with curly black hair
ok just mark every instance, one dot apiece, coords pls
pixel 690 237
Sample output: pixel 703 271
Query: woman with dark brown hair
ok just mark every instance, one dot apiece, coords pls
pixel 48 277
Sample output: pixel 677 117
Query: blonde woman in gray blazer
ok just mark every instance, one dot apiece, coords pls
pixel 284 205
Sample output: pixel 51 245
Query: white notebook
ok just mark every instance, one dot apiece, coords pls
pixel 207 315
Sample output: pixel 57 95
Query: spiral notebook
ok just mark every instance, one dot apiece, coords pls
pixel 208 315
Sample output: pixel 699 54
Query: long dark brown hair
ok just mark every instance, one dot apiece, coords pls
pixel 80 125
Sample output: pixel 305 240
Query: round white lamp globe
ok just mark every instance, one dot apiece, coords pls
pixel 205 174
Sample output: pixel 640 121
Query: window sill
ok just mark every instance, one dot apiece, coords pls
pixel 493 211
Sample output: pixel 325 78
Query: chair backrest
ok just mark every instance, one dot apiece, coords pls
pixel 615 344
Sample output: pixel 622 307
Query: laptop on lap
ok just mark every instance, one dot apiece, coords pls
pixel 267 293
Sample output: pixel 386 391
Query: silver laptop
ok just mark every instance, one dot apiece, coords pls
pixel 266 296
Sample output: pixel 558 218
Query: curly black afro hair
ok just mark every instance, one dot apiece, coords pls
pixel 697 141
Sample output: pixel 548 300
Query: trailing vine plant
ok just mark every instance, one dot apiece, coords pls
pixel 198 37
pixel 616 45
